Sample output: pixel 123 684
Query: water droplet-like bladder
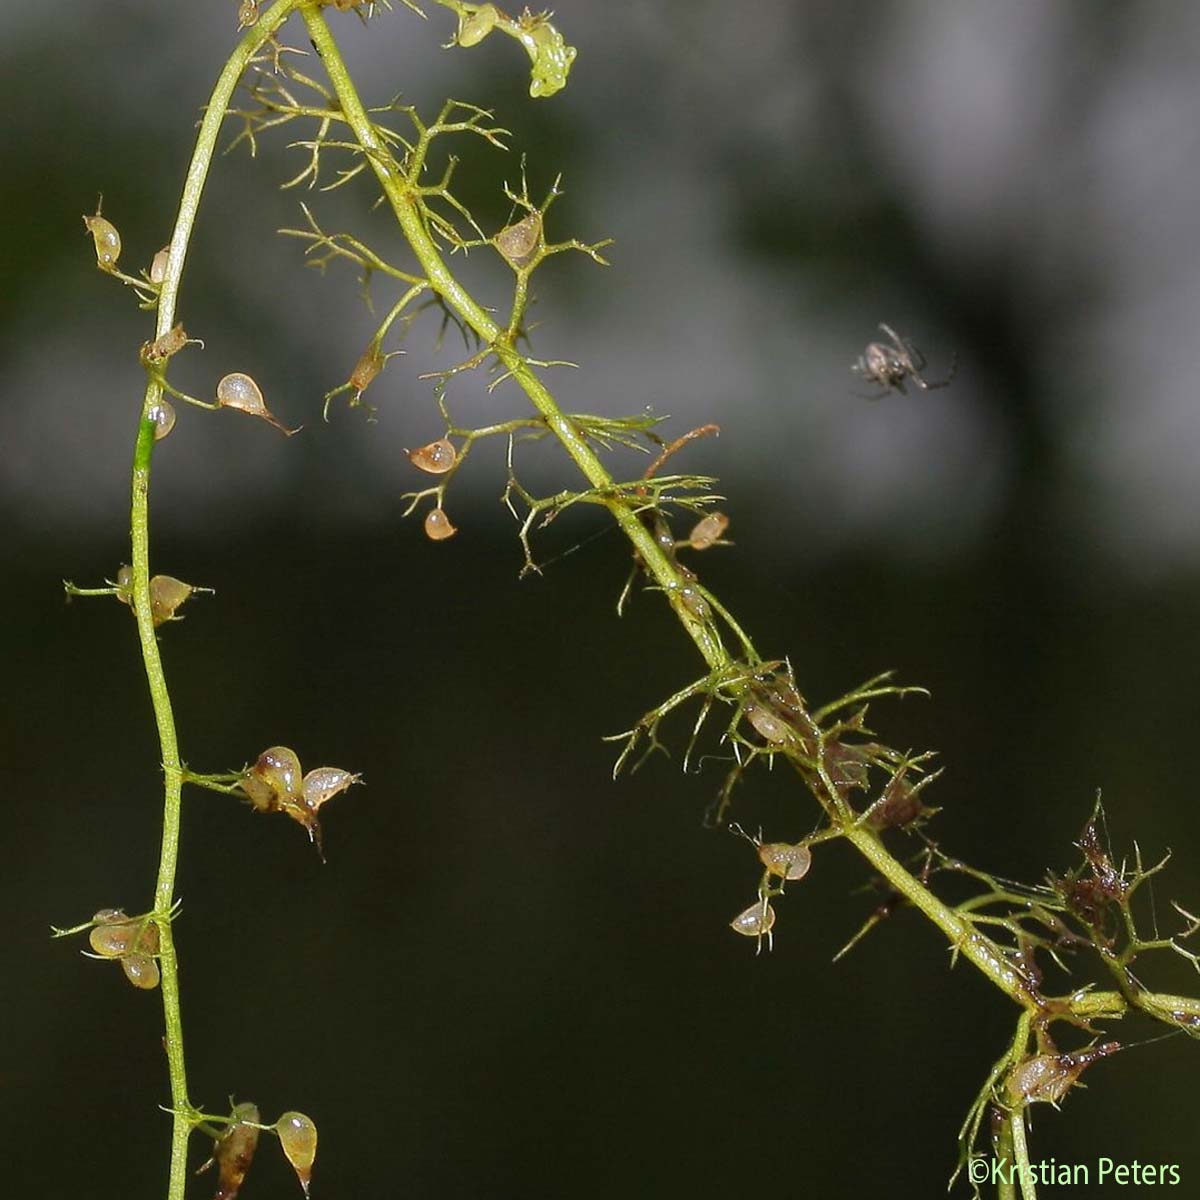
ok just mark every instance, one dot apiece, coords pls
pixel 436 458
pixel 132 941
pixel 785 860
pixel 518 242
pixel 757 921
pixel 237 390
pixel 437 525
pixel 275 784
pixel 708 530
pixel 106 240
pixel 298 1139
pixel 162 413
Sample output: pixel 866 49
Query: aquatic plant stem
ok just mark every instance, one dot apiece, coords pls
pixel 1016 1125
pixel 405 205
pixel 964 937
pixel 1006 1188
pixel 407 210
pixel 160 698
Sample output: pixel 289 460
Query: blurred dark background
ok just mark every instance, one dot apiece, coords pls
pixel 513 978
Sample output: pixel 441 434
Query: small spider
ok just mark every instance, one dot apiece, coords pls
pixel 889 365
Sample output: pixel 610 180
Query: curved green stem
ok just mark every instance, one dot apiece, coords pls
pixel 404 199
pixel 972 945
pixel 963 939
pixel 406 207
pixel 160 699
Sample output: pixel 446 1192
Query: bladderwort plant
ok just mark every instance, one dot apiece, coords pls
pixel 1085 929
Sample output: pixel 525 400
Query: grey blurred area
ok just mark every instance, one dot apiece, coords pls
pixel 513 978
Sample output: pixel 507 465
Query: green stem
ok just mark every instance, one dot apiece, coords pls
pixel 972 945
pixel 407 211
pixel 405 204
pixel 406 207
pixel 1006 1189
pixel 160 699
pixel 1016 1126
pixel 963 938
pixel 1011 1147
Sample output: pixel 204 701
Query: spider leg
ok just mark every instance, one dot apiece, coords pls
pixel 910 359
pixel 941 383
